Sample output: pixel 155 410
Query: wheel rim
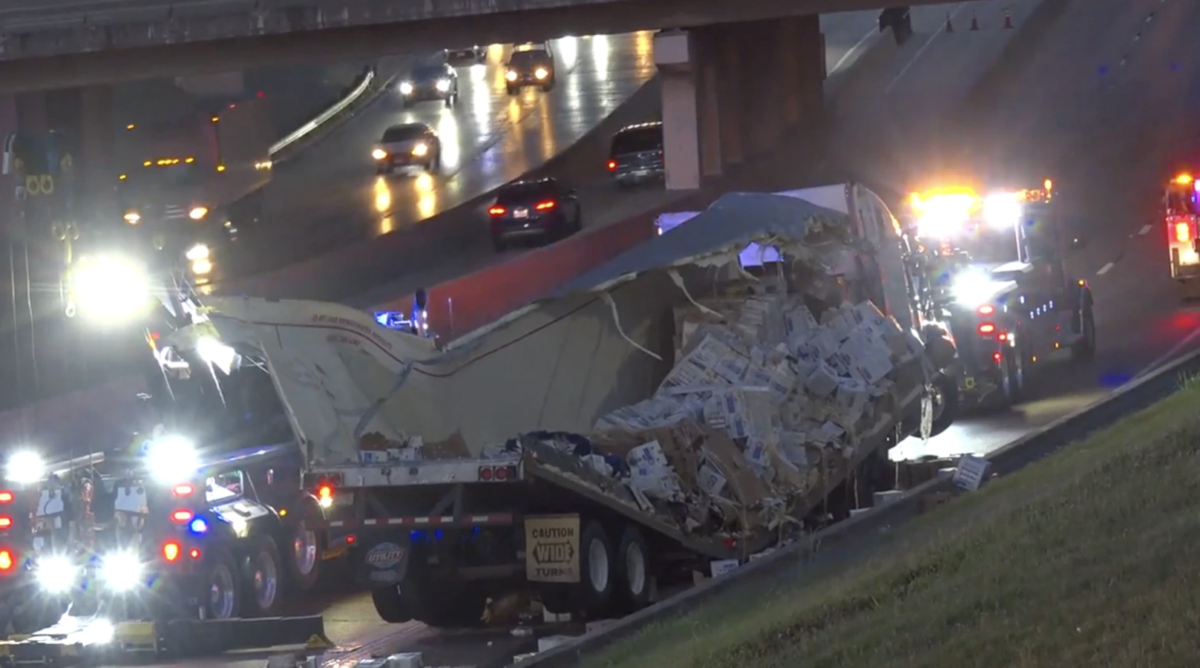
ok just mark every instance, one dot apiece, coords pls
pixel 221 595
pixel 304 550
pixel 266 581
pixel 598 566
pixel 938 399
pixel 635 569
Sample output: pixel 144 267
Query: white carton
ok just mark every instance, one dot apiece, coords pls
pixel 821 380
pixel 710 480
pixel 742 413
pixel 720 567
pixel 651 474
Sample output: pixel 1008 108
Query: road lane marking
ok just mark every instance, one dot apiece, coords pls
pixel 1166 357
pixel 1144 230
pixel 1104 269
pixel 921 51
pixel 853 50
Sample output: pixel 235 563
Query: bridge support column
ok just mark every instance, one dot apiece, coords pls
pixel 681 139
pixel 95 169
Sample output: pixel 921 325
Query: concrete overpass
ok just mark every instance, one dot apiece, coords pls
pixel 58 43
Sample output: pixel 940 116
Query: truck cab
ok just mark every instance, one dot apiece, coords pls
pixel 995 268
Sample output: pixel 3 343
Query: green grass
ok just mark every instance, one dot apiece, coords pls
pixel 1088 558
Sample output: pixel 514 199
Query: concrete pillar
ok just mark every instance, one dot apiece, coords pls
pixel 708 103
pixel 731 92
pixel 761 84
pixel 94 171
pixel 681 140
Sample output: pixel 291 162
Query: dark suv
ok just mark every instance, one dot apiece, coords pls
pixel 636 155
pixel 542 209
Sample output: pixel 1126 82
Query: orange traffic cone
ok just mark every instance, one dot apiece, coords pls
pixel 974 21
pixel 1008 19
pixel 949 25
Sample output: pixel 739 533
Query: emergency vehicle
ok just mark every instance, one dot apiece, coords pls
pixel 1181 212
pixel 993 266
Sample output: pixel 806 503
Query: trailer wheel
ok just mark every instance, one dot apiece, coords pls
pixel 263 577
pixel 304 564
pixel 945 404
pixel 222 598
pixel 390 605
pixel 633 570
pixel 1084 350
pixel 596 566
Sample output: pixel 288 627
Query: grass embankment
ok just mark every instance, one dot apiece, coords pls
pixel 1089 558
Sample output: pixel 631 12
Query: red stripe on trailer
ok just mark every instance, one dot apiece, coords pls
pixel 439 520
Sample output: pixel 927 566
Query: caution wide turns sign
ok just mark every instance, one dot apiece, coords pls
pixel 552 548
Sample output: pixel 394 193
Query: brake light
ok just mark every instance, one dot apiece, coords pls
pixel 496 211
pixel 194 553
pixel 5 522
pixel 325 492
pixel 170 551
pixel 987 328
pixel 485 473
pixel 987 309
pixel 6 496
pixel 6 560
pixel 612 165
pixel 996 357
pixel 1183 232
pixel 183 490
pixel 545 206
pixel 182 516
pixel 497 473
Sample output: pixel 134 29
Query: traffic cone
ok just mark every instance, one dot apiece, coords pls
pixel 1008 19
pixel 974 21
pixel 949 25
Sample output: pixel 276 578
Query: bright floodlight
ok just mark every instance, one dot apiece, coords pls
pixel 55 574
pixel 172 459
pixel 1002 210
pixel 121 571
pixel 109 287
pixel 216 353
pixel 99 631
pixel 943 215
pixel 972 287
pixel 25 467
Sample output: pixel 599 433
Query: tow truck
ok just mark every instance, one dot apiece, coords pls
pixel 1181 213
pixel 993 266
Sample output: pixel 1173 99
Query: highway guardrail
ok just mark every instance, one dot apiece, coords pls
pixel 323 117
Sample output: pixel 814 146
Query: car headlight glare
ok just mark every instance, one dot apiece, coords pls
pixel 133 217
pixel 109 286
pixel 197 252
pixel 406 88
pixel 25 467
pixel 55 574
pixel 171 459
pixel 121 571
pixel 420 150
pixel 541 73
pixel 511 75
pixel 443 85
pixel 198 212
pixel 379 154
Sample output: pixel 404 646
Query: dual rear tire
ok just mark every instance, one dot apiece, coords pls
pixel 611 580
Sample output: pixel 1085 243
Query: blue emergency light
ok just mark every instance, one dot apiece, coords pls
pixel 393 320
pixel 198 526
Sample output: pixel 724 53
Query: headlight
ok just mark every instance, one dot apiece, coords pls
pixel 379 154
pixel 25 467
pixel 541 73
pixel 511 75
pixel 201 267
pixel 109 286
pixel 197 252
pixel 171 459
pixel 420 150
pixel 198 212
pixel 406 88
pixel 972 288
pixel 443 85
pixel 133 217
pixel 1002 211
pixel 55 574
pixel 121 571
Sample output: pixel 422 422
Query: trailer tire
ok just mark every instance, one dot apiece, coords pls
pixel 948 389
pixel 1085 349
pixel 596 560
pixel 262 578
pixel 222 595
pixel 633 570
pixel 389 603
pixel 304 562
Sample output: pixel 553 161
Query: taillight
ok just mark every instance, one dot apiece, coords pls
pixel 545 206
pixel 6 560
pixel 170 551
pixel 325 496
pixel 987 328
pixel 612 165
pixel 194 553
pixel 987 309
pixel 996 357
pixel 182 516
pixel 6 497
pixel 1183 232
pixel 497 473
pixel 5 522
pixel 497 211
pixel 183 490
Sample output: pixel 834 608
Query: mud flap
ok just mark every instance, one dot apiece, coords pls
pixel 385 561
